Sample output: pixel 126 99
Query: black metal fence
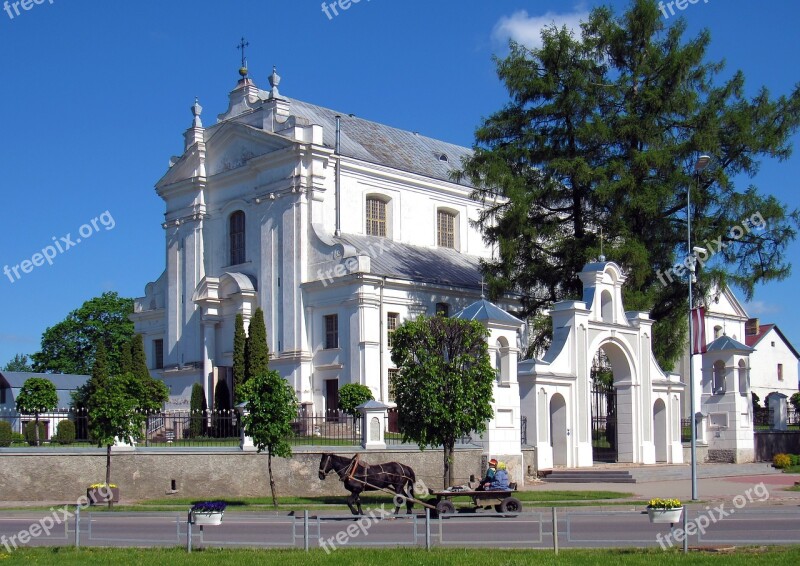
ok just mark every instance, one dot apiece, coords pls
pixel 48 426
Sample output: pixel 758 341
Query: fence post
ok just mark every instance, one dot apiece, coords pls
pixel 305 530
pixel 189 533
pixel 78 526
pixel 427 528
pixel 686 536
pixel 555 531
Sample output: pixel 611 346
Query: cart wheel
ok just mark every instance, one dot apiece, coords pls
pixel 510 505
pixel 445 506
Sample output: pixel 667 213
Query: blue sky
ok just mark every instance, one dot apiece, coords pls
pixel 95 96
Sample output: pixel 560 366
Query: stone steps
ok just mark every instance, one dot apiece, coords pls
pixel 589 476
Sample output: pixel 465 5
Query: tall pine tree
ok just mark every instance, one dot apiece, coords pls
pixel 601 131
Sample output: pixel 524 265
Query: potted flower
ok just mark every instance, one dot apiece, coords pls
pixel 98 493
pixel 207 512
pixel 664 510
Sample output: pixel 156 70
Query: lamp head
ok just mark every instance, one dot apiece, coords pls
pixel 701 163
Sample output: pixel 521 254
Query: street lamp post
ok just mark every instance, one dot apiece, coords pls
pixel 699 166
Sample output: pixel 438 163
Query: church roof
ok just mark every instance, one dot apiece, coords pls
pixel 384 145
pixel 416 263
pixel 484 311
pixel 726 343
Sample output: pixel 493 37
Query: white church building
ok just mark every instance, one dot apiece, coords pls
pixel 337 227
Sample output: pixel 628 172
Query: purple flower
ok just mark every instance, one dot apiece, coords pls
pixel 209 506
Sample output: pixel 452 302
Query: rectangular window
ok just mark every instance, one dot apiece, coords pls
pixel 393 373
pixel 392 320
pixel 780 372
pixel 376 217
pixel 443 309
pixel 331 331
pixel 2 394
pixel 158 354
pixel 237 237
pixel 445 229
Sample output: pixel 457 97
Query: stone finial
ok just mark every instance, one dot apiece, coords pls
pixel 274 82
pixel 196 111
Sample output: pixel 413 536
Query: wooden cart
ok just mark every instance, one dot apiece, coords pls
pixel 503 500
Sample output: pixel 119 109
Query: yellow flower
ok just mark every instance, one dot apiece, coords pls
pixel 102 485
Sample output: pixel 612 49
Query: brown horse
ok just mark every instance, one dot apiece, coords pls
pixel 358 477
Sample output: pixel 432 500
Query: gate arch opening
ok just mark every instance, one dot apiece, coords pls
pixel 558 429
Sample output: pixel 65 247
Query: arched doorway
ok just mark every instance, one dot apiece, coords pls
pixel 604 409
pixel 558 429
pixel 660 429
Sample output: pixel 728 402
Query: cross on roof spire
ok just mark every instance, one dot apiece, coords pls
pixel 242 46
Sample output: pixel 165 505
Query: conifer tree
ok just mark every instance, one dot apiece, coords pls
pixel 257 349
pixel 239 363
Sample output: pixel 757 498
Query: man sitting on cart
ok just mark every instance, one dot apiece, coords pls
pixel 500 480
pixel 487 480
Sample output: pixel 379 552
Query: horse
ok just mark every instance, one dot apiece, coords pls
pixel 356 475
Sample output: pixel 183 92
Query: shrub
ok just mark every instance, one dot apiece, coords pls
pixel 795 459
pixel 30 432
pixel 17 438
pixel 65 433
pixel 5 434
pixel 351 395
pixel 781 461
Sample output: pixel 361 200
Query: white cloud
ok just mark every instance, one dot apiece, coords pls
pixel 757 308
pixel 527 30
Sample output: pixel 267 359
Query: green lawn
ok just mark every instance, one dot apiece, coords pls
pixel 399 557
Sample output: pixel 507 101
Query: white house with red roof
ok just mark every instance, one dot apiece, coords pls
pixel 774 361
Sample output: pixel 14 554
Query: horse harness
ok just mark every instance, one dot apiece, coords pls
pixel 350 470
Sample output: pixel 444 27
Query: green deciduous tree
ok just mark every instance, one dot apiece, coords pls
pixel 19 363
pixel 257 350
pixel 271 407
pixel 444 387
pixel 351 395
pixel 239 361
pixel 69 346
pixel 114 413
pixel 602 129
pixel 38 395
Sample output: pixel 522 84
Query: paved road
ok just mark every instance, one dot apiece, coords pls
pixel 577 527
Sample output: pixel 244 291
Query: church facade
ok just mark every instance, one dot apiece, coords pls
pixel 337 227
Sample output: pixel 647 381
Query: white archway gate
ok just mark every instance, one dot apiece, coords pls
pixel 580 329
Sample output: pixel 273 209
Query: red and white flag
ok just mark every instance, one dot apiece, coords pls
pixel 699 330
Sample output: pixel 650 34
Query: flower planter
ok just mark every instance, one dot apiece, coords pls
pixel 665 515
pixel 98 496
pixel 207 517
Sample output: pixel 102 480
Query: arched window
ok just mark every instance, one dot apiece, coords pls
pixel 502 361
pixel 717 331
pixel 237 239
pixel 446 229
pixel 606 307
pixel 376 216
pixel 718 383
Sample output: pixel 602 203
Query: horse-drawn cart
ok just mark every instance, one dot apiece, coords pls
pixel 503 500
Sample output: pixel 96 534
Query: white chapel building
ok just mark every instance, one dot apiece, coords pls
pixel 337 227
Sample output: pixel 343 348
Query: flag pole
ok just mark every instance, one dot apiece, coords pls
pixel 701 164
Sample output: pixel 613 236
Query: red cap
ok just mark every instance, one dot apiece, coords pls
pixel 492 462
